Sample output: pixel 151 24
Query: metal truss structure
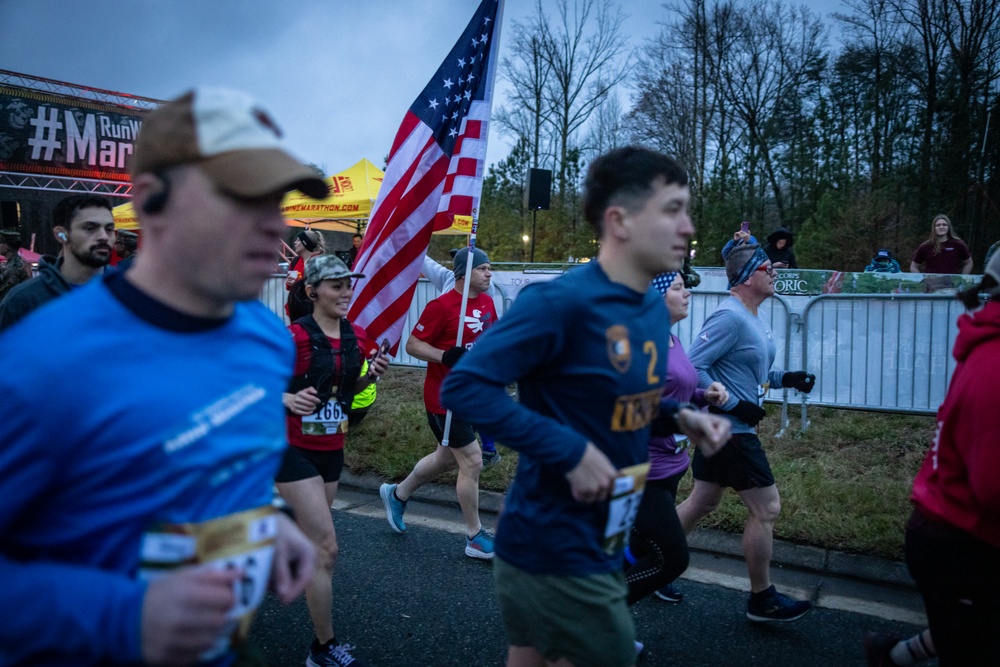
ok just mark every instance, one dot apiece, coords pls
pixel 74 90
pixel 64 184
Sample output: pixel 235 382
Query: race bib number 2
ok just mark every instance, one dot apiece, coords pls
pixel 623 506
pixel 243 541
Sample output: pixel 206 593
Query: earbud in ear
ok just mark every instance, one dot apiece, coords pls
pixel 157 201
pixel 62 237
pixel 311 294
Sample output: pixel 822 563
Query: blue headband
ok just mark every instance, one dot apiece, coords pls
pixel 663 281
pixel 759 257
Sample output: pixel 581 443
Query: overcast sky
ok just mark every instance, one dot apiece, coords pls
pixel 338 75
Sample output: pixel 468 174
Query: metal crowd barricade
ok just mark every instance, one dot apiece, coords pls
pixel 880 352
pixel 780 318
pixel 890 353
pixel 274 295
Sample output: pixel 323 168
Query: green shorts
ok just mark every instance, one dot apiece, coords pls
pixel 583 619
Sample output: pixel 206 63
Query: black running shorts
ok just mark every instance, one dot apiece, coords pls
pixel 741 464
pixel 299 463
pixel 460 435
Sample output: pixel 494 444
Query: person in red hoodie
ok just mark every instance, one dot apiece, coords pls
pixel 953 535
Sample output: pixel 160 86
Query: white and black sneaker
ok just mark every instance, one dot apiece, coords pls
pixel 332 655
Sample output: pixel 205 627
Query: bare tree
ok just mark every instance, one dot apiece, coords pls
pixel 587 56
pixel 527 110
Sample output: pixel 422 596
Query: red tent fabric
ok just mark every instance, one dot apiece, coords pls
pixel 28 255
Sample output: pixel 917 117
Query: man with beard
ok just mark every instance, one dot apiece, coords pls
pixel 85 227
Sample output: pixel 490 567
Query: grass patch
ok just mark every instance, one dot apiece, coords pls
pixel 844 483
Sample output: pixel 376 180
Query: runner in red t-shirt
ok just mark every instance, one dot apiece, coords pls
pixel 327 375
pixel 433 339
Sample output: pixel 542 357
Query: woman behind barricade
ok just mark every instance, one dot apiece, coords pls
pixel 943 252
pixel 658 551
pixel 307 243
pixel 740 236
pixel 953 535
pixel 329 356
pixel 779 249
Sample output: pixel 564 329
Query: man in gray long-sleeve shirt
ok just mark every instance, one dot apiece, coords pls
pixel 735 347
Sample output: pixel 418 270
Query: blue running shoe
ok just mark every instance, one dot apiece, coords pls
pixel 770 606
pixel 669 593
pixel 480 545
pixel 394 507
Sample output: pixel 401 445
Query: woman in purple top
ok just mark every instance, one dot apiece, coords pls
pixel 658 551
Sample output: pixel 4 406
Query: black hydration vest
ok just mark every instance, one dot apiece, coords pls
pixel 322 371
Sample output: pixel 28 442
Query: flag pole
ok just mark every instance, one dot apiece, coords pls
pixel 492 73
pixel 461 313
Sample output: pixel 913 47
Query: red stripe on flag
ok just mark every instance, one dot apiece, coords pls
pixel 460 205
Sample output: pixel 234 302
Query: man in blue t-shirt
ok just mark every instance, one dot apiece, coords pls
pixel 136 518
pixel 587 351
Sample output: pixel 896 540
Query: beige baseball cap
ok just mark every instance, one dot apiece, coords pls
pixel 231 137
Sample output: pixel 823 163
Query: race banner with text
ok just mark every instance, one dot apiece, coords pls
pixel 44 133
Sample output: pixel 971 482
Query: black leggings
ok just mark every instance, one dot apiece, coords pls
pixel 657 541
pixel 959 579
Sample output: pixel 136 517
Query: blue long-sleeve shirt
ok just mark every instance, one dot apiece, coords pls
pixel 735 347
pixel 588 355
pixel 112 423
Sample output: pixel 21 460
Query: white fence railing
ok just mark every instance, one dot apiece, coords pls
pixel 885 352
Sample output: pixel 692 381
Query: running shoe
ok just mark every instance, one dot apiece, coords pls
pixel 772 606
pixel 480 546
pixel 670 593
pixel 491 458
pixel 878 649
pixel 639 647
pixel 332 655
pixel 394 507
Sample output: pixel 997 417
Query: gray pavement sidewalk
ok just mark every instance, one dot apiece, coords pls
pixel 832 579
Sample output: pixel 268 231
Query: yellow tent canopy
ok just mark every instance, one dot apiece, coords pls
pixel 347 208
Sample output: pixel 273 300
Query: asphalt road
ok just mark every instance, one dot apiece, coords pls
pixel 416 599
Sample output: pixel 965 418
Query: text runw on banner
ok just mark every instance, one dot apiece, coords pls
pixel 435 172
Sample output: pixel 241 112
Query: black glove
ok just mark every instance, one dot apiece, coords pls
pixel 800 380
pixel 451 357
pixel 747 412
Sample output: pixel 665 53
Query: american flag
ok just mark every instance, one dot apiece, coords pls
pixel 435 172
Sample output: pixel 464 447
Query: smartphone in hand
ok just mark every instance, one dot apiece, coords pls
pixel 745 227
pixel 383 349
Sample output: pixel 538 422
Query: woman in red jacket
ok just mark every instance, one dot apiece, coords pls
pixel 953 535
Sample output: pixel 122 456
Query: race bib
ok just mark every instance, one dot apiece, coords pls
pixel 243 541
pixel 762 390
pixel 328 420
pixel 624 505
